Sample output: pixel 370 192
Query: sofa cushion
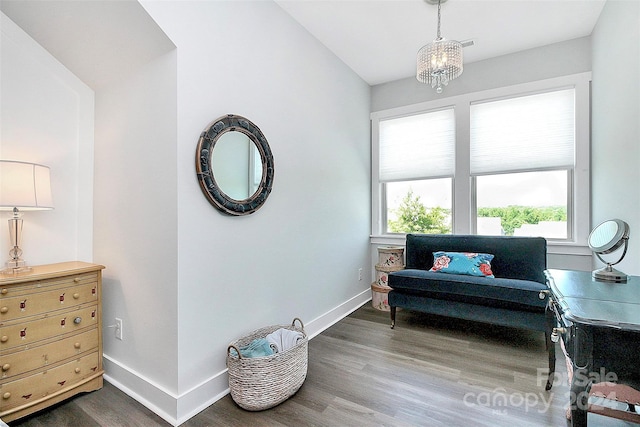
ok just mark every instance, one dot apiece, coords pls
pixel 467 263
pixel 497 292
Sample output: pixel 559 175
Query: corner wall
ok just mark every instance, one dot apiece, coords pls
pixel 136 231
pixel 46 116
pixel 298 255
pixel 185 279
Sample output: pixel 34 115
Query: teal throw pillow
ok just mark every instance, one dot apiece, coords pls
pixel 469 263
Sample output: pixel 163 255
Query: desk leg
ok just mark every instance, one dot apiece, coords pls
pixel 582 367
pixel 579 397
pixel 551 346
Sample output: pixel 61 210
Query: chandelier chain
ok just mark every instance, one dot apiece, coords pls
pixel 439 37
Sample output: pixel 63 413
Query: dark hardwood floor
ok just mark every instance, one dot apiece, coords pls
pixel 429 371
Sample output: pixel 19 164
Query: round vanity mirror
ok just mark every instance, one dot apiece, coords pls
pixel 234 165
pixel 604 239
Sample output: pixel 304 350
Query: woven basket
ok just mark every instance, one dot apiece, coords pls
pixel 259 383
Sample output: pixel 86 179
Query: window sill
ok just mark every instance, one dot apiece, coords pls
pixel 555 248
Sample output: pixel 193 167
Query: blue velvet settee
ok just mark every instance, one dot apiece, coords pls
pixel 515 297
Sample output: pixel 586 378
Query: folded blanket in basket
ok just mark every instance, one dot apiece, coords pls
pixel 259 347
pixel 284 339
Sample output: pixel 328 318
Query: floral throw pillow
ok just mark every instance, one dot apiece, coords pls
pixel 469 263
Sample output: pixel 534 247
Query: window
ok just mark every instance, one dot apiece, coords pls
pixel 511 161
pixel 522 157
pixel 417 161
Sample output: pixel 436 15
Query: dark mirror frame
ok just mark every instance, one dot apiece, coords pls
pixel 204 172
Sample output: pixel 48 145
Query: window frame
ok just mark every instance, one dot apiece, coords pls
pixel 463 202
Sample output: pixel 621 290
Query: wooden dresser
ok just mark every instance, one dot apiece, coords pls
pixel 50 336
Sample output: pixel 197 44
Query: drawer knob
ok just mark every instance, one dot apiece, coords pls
pixel 3 310
pixel 6 367
pixel 76 295
pixel 77 345
pixel 4 291
pixel 4 338
pixel 77 320
pixel 76 280
pixel 543 294
pixel 555 337
pixel 6 395
pixel 77 370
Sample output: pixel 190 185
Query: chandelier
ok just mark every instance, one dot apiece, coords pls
pixel 439 61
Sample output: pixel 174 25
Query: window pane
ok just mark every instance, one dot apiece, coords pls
pixel 523 204
pixel 419 206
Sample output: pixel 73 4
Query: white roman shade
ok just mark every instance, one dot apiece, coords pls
pixel 417 147
pixel 525 133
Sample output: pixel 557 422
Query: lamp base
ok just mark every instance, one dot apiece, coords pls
pixel 12 271
pixel 15 266
pixel 609 274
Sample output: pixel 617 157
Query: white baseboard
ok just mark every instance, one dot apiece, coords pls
pixel 177 409
pixel 150 394
pixel 333 316
pixel 200 397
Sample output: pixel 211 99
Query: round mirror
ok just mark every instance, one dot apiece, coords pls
pixel 604 239
pixel 608 236
pixel 234 165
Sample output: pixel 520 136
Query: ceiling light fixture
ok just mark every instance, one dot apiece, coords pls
pixel 439 61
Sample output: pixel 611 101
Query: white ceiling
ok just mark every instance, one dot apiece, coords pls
pixel 379 39
pixel 98 40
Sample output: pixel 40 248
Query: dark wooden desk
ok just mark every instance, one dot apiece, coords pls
pixel 599 323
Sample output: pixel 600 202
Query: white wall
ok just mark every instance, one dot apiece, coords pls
pixel 558 59
pixel 47 117
pixel 136 230
pixel 616 125
pixel 299 254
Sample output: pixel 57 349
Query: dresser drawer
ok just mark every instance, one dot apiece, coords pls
pixel 32 286
pixel 45 383
pixel 47 299
pixel 48 326
pixel 40 357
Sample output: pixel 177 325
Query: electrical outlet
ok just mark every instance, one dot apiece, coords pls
pixel 118 328
pixel 360 274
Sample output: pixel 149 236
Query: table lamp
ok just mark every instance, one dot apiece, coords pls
pixel 23 187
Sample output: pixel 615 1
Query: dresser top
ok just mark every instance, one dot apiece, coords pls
pixel 47 271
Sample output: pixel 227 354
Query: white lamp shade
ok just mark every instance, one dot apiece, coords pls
pixel 26 186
